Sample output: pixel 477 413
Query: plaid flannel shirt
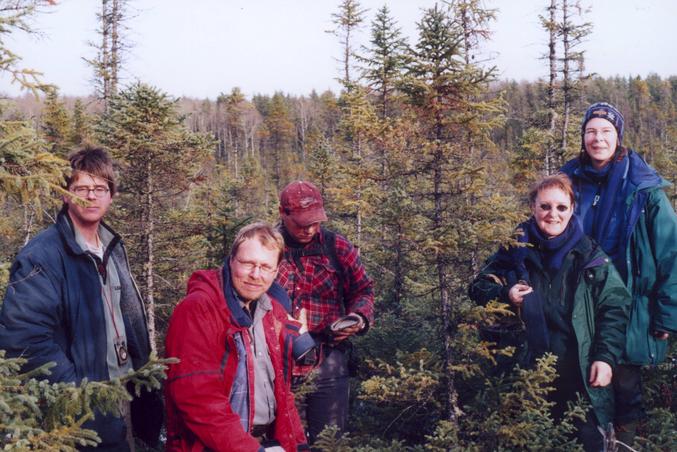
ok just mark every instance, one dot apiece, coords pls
pixel 315 287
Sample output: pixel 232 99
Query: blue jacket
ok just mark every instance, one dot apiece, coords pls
pixel 53 312
pixel 649 241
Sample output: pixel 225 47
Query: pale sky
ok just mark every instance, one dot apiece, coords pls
pixel 200 48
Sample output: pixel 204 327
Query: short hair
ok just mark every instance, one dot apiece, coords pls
pixel 559 180
pixel 267 235
pixel 94 162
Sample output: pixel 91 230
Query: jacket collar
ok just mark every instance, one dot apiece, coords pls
pixel 276 292
pixel 240 317
pixel 639 173
pixel 66 229
pixel 582 248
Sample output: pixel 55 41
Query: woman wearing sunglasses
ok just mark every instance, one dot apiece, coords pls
pixel 571 299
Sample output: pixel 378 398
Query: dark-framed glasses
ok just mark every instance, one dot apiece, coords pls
pixel 547 207
pixel 83 191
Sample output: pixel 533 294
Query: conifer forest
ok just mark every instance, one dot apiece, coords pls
pixel 424 158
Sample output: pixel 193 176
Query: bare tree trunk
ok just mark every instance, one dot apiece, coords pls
pixel 566 79
pixel 398 283
pixel 346 56
pixel 29 214
pixel 358 196
pixel 445 302
pixel 105 52
pixel 116 17
pixel 552 81
pixel 465 23
pixel 304 121
pixel 349 17
pixel 150 256
pixel 277 164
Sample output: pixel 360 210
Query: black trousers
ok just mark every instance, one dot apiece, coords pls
pixel 328 403
pixel 567 385
pixel 627 381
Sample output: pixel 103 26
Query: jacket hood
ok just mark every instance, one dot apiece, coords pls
pixel 206 281
pixel 642 175
pixel 639 173
pixel 210 283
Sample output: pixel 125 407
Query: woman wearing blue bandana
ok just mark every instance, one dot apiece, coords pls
pixel 621 204
pixel 571 299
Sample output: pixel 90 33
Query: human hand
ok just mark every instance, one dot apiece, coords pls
pixel 517 293
pixel 345 333
pixel 661 335
pixel 600 374
pixel 303 320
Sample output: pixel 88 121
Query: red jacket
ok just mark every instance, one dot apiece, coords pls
pixel 202 334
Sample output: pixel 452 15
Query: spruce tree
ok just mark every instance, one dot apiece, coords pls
pixel 442 90
pixel 31 177
pixel 573 35
pixel 37 415
pixel 384 60
pixel 279 136
pixel 160 160
pixel 566 71
pixel 347 20
pixel 56 124
pixel 81 125
pixel 15 16
pixel 107 64
pixel 231 132
pixel 358 170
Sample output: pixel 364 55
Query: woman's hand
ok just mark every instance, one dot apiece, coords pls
pixel 600 374
pixel 661 335
pixel 517 292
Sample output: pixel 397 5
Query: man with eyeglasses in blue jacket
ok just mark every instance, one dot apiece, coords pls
pixel 72 301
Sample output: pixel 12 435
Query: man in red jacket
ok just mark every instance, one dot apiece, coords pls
pixel 231 389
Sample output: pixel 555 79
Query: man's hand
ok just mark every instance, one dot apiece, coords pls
pixel 517 293
pixel 600 374
pixel 345 333
pixel 303 319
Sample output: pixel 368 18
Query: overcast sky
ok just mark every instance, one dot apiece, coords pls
pixel 200 48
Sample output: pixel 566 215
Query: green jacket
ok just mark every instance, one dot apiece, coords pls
pixel 651 257
pixel 599 304
pixel 650 273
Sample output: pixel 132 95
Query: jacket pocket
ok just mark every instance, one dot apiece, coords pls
pixel 657 350
pixel 638 342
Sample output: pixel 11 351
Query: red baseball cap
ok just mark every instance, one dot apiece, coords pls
pixel 303 202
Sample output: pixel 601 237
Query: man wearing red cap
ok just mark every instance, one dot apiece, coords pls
pixel 323 274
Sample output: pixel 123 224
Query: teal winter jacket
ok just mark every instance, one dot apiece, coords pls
pixel 599 305
pixel 650 240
